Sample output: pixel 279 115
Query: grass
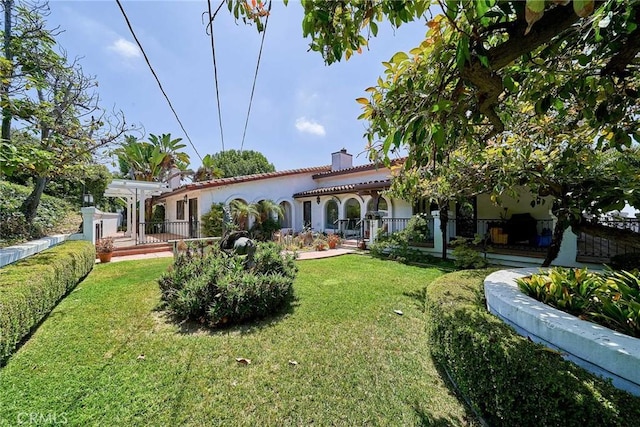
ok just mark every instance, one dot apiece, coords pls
pixel 106 356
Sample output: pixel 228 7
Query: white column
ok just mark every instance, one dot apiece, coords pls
pixel 568 250
pixel 142 213
pixel 88 227
pixel 437 234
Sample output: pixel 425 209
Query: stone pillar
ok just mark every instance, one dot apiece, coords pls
pixel 88 228
pixel 373 231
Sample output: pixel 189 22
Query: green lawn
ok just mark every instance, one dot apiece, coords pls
pixel 105 356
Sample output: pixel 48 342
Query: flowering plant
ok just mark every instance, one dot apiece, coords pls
pixel 104 245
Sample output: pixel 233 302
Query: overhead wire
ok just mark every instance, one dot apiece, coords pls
pixel 146 58
pixel 215 66
pixel 255 77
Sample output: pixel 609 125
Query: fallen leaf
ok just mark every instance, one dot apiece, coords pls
pixel 243 361
pixel 398 312
pixel 293 362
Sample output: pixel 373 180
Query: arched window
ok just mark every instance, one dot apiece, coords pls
pixel 331 214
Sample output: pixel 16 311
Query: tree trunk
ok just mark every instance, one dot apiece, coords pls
pixel 556 240
pixel 30 205
pixel 444 222
pixel 4 87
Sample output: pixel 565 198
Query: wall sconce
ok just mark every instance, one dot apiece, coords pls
pixel 318 200
pixel 186 198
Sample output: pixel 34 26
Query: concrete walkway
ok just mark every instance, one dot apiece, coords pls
pixel 301 255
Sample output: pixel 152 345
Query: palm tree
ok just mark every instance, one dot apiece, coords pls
pixel 166 152
pixel 151 160
pixel 208 170
pixel 266 208
pixel 241 211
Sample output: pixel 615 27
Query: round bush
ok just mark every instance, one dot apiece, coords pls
pixel 215 288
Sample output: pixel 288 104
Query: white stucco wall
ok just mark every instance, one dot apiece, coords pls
pixel 488 210
pixel 278 189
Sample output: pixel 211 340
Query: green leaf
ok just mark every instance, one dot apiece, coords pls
pixel 374 28
pixel 399 57
pixel 509 84
pixel 462 52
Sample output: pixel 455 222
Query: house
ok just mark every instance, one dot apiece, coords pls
pixel 328 198
pixel 351 200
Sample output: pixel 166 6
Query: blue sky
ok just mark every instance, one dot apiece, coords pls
pixel 302 110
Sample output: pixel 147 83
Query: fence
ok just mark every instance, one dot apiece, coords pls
pixel 600 249
pixel 163 231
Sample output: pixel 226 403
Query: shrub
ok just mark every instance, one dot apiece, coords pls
pixel 13 227
pixel 398 248
pixel 30 288
pixel 214 288
pixel 508 379
pixel 263 231
pixel 417 229
pixel 627 262
pixel 467 257
pixel 213 220
pixel 611 299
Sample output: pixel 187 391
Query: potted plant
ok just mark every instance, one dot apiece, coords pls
pixel 104 249
pixel 320 244
pixel 333 240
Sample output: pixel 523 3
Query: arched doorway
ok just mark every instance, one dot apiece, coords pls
pixel 331 214
pixel 285 218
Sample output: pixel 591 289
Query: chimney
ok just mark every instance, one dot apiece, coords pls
pixel 341 160
pixel 174 178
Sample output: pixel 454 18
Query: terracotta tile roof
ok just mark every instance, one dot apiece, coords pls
pixel 244 178
pixel 346 188
pixel 355 169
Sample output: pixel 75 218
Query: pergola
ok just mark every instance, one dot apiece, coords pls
pixel 134 193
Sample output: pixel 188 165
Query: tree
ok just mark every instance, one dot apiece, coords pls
pixel 151 160
pixel 53 99
pixel 208 170
pixel 154 160
pixel 237 163
pixel 267 209
pixel 462 85
pixel 241 211
pixel 584 181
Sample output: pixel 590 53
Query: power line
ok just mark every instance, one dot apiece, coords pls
pixel 215 67
pixel 126 18
pixel 255 77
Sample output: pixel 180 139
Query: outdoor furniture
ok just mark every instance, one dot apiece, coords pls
pixel 522 229
pixel 498 236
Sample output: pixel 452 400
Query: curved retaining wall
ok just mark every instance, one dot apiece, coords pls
pixel 596 348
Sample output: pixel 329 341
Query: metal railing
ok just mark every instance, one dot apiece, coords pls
pixel 163 231
pixel 601 249
pixel 351 228
pixel 533 235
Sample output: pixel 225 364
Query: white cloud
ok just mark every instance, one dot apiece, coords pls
pixel 310 126
pixel 125 48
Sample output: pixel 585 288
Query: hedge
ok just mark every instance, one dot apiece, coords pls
pixel 30 289
pixel 507 379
